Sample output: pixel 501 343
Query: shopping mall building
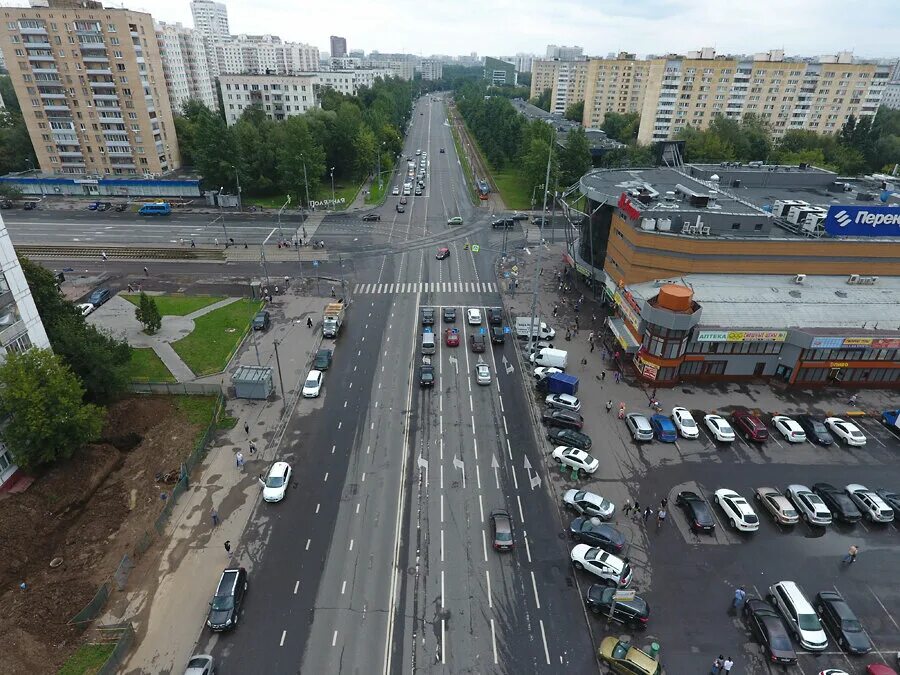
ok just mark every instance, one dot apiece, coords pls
pixel 726 272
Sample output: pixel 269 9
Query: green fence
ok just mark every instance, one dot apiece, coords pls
pixel 123 633
pixel 92 609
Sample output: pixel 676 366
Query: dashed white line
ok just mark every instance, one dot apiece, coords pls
pixel 442 544
pixel 487 574
pixel 345 404
pixel 527 547
pixel 296 586
pixel 326 477
pixel 357 507
pixel 505 429
pixel 318 506
pixel 442 504
pixel 333 448
pixel 494 640
pixel 343 586
pixel 351 544
pixel 334 638
pixel 502 409
pixel 521 512
pixel 544 638
pixel 308 541
pixel 481 508
pixel 478 476
pixel 283 636
pixel 534 586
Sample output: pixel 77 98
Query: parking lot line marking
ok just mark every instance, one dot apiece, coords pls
pixel 878 600
pixel 283 636
pixel 296 586
pixel 544 638
pixel 351 384
pixel 521 512
pixel 481 508
pixel 334 639
pixel 318 506
pixel 487 574
pixel 343 586
pixel 527 547
pixel 494 640
pixel 537 600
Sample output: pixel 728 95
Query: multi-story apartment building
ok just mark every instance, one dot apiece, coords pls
pixel 613 85
pixel 499 72
pixel 399 65
pixel 564 53
pixel 350 81
pixel 338 46
pixel 543 75
pixel 890 98
pixel 522 62
pixel 210 19
pixel 264 53
pixel 431 69
pixel 280 96
pixel 569 87
pixel 92 88
pixel 183 53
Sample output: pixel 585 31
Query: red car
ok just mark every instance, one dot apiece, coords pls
pixel 879 669
pixel 442 253
pixel 451 337
pixel 750 425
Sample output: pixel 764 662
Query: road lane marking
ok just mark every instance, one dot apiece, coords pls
pixel 343 586
pixel 502 409
pixel 494 640
pixel 477 475
pixel 308 541
pixel 537 600
pixel 509 449
pixel 481 508
pixel 334 639
pixel 443 624
pixel 368 447
pixel 364 477
pixel 521 512
pixel 318 506
pixel 527 547
pixel 326 477
pixel 473 424
pixel 283 636
pixel 333 448
pixel 544 638
pixel 345 404
pixel 357 507
pixel 475 445
pixel 442 544
pixel 483 544
pixel 351 544
pixel 512 470
pixel 296 586
pixel 487 574
pixel 505 429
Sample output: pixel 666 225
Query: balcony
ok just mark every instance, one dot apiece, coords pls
pixel 119 144
pixel 56 107
pixel 117 119
pixel 98 71
pixel 102 84
pixel 45 71
pixel 55 95
pixel 106 97
pixel 87 46
pixel 36 44
pixel 99 58
pixel 33 31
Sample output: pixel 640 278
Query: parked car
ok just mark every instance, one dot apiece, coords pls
pixel 225 607
pixel 99 296
pixel 837 616
pixel 562 418
pixel 810 506
pixel 799 615
pixel 501 526
pixel 870 504
pixel 750 426
pixel 639 427
pixel 571 437
pixel 575 458
pixel 699 515
pixel 276 484
pixel 323 359
pixel 815 429
pixel 846 431
pixel 838 502
pixel 6 204
pixel 683 419
pixel 542 372
pixel 719 428
pixel 663 428
pixel 262 320
pixel 563 402
pixel 737 510
pixel 449 314
pixel 371 217
pixel 791 430
pixel 29 206
pixel 634 613
pixel 624 658
pixel 892 499
pixel 85 308
pixel 595 532
pixel 611 569
pixel 589 504
pixel 200 664
pixel 313 384
pixel 769 630
pixel 777 505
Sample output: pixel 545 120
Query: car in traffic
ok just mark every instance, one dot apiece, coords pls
pixel 477 343
pixel 624 658
pixel 323 359
pixel 575 459
pixel 372 217
pixel 799 615
pixel 495 316
pixel 426 373
pixel 810 506
pixel 473 316
pixel 313 384
pixel 428 316
pixel 404 200
pixel 737 510
pixel 455 220
pixel 449 314
pixel 563 402
pixel 589 504
pixel 663 428
pixel 595 532
pixel 568 419
pixel 639 427
pixel 401 208
pixel 846 431
pixel 451 337
pixel 769 630
pixel 815 429
pixel 685 423
pixel 719 428
pixel 873 507
pixel 699 515
pixel 225 606
pixel 262 320
pixel 611 569
pixel 482 374
pixel 276 484
pixel 498 337
pixel 442 151
pixel 418 191
pixel 200 664
pixel 634 613
pixel 778 506
pixel 396 190
pixel 501 527
pixel 571 437
pixel 790 429
pixel 100 296
pixel 838 502
pixel 836 615
pixel 442 253
pixel 519 216
pixel 750 426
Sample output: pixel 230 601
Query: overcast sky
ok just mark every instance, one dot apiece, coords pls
pixel 869 28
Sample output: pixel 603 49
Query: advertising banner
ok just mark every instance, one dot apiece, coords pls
pixel 854 343
pixel 742 336
pixel 627 207
pixel 863 221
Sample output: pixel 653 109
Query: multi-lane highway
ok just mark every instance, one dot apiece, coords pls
pixel 379 560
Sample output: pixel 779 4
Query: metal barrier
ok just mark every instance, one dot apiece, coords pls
pixel 122 571
pixel 92 609
pixel 123 633
pixel 176 388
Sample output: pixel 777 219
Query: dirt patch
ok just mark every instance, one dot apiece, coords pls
pixel 89 511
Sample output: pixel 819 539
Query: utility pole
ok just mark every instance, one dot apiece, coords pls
pixel 537 271
pixel 237 179
pixel 341 264
pixel 333 200
pixel 222 215
pixel 280 378
pixel 305 182
pixel 280 233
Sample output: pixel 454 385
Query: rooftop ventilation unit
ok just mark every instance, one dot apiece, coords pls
pixel 853 279
pixel 799 278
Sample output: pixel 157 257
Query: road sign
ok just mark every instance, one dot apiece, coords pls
pixel 506 275
pixel 315 263
pixel 482 331
pixel 624 596
pixel 506 329
pixel 475 248
pixel 515 268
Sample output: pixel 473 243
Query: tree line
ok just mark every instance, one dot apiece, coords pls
pixel 268 157
pixel 15 145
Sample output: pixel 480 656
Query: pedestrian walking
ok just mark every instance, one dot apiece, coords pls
pixel 592 346
pixel 193 244
pixel 602 375
pixel 660 517
pixel 181 241
pixel 228 546
pixel 853 399
pixel 583 362
pixel 247 428
pixel 739 596
pixel 626 508
pixel 647 513
pixel 716 666
pixel 618 377
pixel 252 447
pixel 146 271
pixel 591 336
pixel 851 554
pixel 727 665
pixel 104 256
pixel 636 509
pixel 663 503
pixel 332 291
pixel 215 517
pixel 308 322
pixel 239 460
pixel 130 288
pixel 608 406
pixel 593 318
pixel 216 240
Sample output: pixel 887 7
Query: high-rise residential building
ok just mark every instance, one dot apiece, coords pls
pixel 185 64
pixel 399 65
pixel 210 19
pixel 499 72
pixel 279 96
pixel 522 62
pixel 543 75
pixel 613 85
pixel 338 46
pixel 571 80
pixel 431 69
pixel 358 53
pixel 263 53
pixel 890 99
pixel 92 86
pixel 564 53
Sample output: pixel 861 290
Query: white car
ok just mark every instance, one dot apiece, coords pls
pixel 482 373
pixel 564 401
pixel 738 510
pixel 719 428
pixel 614 571
pixel 846 431
pixel 791 430
pixel 778 505
pixel 589 504
pixel 396 190
pixel 313 384
pixel 542 372
pixel 871 504
pixel 799 615
pixel 276 485
pixel 685 422
pixel 473 315
pixel 575 458
pixel 810 506
pixel 85 308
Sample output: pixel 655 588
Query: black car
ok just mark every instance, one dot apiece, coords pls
pixel 495 316
pixel 519 216
pixel 634 613
pixel 99 296
pixel 323 359
pixel 838 502
pixel 29 206
pixel 815 429
pixel 540 222
pixel 426 375
pixel 568 419
pixel 892 499
pixel 442 151
pixel 262 320
pixel 593 531
pixel 400 208
pixel 503 223
pixel 769 630
pixel 427 316
pixel 498 337
pixel 837 616
pixel 225 607
pixel 369 217
pixel 697 511
pixel 6 204
pixel 560 436
pixel 449 314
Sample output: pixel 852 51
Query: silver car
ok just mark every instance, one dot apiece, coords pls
pixel 639 426
pixel 482 373
pixel 200 664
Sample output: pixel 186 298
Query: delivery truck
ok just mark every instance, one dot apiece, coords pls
pixel 538 329
pixel 562 383
pixel 333 319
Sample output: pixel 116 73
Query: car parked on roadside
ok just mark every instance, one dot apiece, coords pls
pixel 837 616
pixel 589 504
pixel 595 532
pixel 769 630
pixel 372 217
pixel 873 507
pixel 568 419
pixel 838 502
pixel 639 426
pixel 777 505
pixel 846 431
pixel 262 320
pixel 685 423
pixel 277 481
pixel 313 384
pixel 100 296
pixel 810 506
pixel 799 615
pixel 542 372
pixel 663 428
pixel 323 359
pixel 601 600
pixel 719 428
pixel 501 527
pixel 750 426
pixel 571 437
pixel 790 429
pixel 200 664
pixel 624 658
pixel 575 458
pixel 737 510
pixel 225 607
pixel 815 429
pixel 85 308
pixel 699 515
pixel 563 402
pixel 611 569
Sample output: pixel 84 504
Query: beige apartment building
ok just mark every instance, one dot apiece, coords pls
pixel 614 85
pixel 91 87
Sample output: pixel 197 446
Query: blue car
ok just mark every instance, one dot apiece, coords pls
pixel 664 429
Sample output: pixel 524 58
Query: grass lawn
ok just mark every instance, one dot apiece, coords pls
pixel 275 202
pixel 375 195
pixel 215 337
pixel 347 191
pixel 198 409
pixel 146 366
pixel 87 660
pixel 176 305
pixel 514 189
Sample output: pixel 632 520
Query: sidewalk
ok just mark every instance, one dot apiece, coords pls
pixel 168 592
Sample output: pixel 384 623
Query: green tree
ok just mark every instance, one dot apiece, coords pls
pixel 148 314
pixel 8 93
pixel 534 164
pixel 215 150
pixel 623 128
pixel 543 99
pixel 365 151
pixel 42 401
pixel 16 152
pixel 299 154
pixel 575 157
pixel 575 112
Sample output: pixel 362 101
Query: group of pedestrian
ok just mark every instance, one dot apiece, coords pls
pixel 721 665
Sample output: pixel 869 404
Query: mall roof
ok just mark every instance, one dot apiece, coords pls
pixel 776 302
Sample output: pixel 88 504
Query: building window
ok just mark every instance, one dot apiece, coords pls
pixel 19 345
pixel 735 226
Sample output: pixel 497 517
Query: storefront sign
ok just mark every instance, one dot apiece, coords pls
pixel 854 343
pixel 862 221
pixel 648 370
pixel 742 336
pixel 627 207
pixel 630 315
pixel 838 364
pixel 827 343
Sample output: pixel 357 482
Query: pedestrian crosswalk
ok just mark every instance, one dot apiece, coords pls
pixel 427 287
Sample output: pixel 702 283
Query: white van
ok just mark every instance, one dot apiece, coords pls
pixel 554 358
pixel 428 343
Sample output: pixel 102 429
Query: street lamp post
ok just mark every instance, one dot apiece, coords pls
pixel 280 233
pixel 222 216
pixel 305 182
pixel 333 200
pixel 237 179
